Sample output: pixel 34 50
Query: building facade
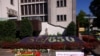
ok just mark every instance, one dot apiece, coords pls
pixel 56 12
pixel 55 15
pixel 8 9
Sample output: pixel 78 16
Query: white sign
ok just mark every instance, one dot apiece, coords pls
pixel 69 53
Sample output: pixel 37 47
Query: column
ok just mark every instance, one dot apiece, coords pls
pixel 31 10
pixel 27 10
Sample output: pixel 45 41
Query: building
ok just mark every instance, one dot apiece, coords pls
pixel 55 15
pixel 8 9
pixel 52 13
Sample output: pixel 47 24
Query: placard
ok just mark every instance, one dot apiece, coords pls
pixel 69 53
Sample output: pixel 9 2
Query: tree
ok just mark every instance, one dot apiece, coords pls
pixel 25 28
pixel 95 9
pixel 70 30
pixel 7 28
pixel 10 28
pixel 7 31
pixel 81 21
pixel 2 28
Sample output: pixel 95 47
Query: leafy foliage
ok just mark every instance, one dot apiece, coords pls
pixel 70 30
pixel 7 28
pixel 95 9
pixel 10 28
pixel 26 28
pixel 8 39
pixel 2 28
pixel 7 31
pixel 81 20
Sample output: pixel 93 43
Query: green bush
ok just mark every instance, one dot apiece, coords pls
pixel 7 31
pixel 26 28
pixel 8 39
pixel 10 28
pixel 70 30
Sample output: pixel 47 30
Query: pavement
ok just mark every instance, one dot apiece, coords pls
pixel 51 53
pixel 6 52
pixel 97 50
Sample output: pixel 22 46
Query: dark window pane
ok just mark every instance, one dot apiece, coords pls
pixel 33 8
pixel 37 8
pixel 22 1
pixel 33 0
pixel 25 1
pixel 61 17
pixel 45 8
pixel 25 9
pixel 64 2
pixel 41 0
pixel 22 10
pixel 12 2
pixel 29 6
pixel 29 0
pixel 57 3
pixel 61 3
pixel 45 19
pixel 41 8
pixel 41 18
pixel 57 17
pixel 37 0
pixel 64 17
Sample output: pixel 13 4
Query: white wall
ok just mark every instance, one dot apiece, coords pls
pixel 0 8
pixel 4 4
pixel 53 11
pixel 52 30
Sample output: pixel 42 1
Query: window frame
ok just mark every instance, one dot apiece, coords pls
pixel 61 18
pixel 61 3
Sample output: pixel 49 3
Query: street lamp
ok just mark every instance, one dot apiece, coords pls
pixel 90 18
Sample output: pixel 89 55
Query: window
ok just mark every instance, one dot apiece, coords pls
pixel 29 0
pixel 41 18
pixel 30 12
pixel 12 2
pixel 64 2
pixel 33 9
pixel 22 10
pixel 61 3
pixel 33 0
pixel 41 8
pixel 45 19
pixel 45 8
pixel 57 3
pixel 26 10
pixel 25 1
pixel 61 18
pixel 22 1
pixel 64 17
pixel 41 0
pixel 58 18
pixel 37 0
pixel 37 8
